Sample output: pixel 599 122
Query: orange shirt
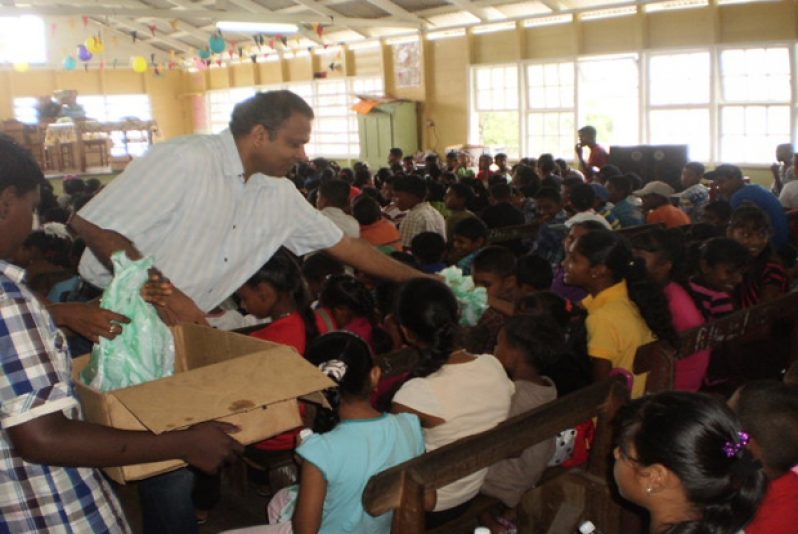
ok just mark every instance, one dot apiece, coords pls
pixel 382 233
pixel 669 215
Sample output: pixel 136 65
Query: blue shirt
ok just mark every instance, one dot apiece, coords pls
pixel 349 455
pixel 627 213
pixel 767 202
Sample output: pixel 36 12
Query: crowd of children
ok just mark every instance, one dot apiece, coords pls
pixel 569 303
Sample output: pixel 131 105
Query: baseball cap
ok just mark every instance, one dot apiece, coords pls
pixel 654 188
pixel 724 171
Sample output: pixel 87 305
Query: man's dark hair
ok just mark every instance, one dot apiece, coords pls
pixel 471 228
pixel 18 168
pixel 582 197
pixel 546 163
pixel 500 155
pixel 501 192
pixel 496 260
pixel 549 193
pixel 317 267
pixel 696 168
pixel 270 109
pixel 366 210
pixel 463 191
pixel 415 185
pixel 588 130
pixel 534 271
pixel 336 192
pixel 571 181
pixel 397 152
pixel 720 208
pixel 610 170
pixel 428 247
pixel 622 184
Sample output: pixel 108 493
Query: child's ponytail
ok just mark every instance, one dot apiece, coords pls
pixel 428 309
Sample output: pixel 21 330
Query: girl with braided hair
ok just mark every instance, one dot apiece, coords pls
pixel 454 393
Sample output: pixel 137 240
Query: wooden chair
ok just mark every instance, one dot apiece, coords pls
pixel 510 233
pixel 585 491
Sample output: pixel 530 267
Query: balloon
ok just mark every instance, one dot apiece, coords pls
pixel 204 53
pixel 95 45
pixel 22 66
pixel 217 44
pixel 70 63
pixel 83 53
pixel 139 64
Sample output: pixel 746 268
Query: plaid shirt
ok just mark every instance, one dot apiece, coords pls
pixel 35 382
pixel 421 218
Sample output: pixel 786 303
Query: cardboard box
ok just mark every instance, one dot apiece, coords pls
pixel 218 376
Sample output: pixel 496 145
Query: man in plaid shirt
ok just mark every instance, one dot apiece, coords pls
pixel 42 437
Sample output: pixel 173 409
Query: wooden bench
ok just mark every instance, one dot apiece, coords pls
pixel 587 494
pixel 658 358
pixel 510 233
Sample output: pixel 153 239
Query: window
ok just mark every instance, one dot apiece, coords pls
pixel 25 110
pixel 609 97
pixel 22 40
pixel 550 124
pixel 679 102
pixel 495 104
pixel 755 109
pixel 221 104
pixel 117 108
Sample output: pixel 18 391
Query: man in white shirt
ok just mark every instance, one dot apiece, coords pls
pixel 211 210
pixel 332 199
pixel 410 193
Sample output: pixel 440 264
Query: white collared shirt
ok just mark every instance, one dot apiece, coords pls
pixel 346 223
pixel 185 202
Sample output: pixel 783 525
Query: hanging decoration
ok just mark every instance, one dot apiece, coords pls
pixel 134 35
pixel 95 44
pixel 102 65
pixel 254 58
pixel 84 54
pixel 153 28
pixel 173 23
pixel 53 28
pixel 204 53
pixel 139 64
pixel 85 21
pixel 72 23
pixel 283 39
pixel 85 67
pixel 22 66
pixel 70 63
pixel 217 43
pixel 319 29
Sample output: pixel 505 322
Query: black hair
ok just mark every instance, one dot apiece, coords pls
pixel 582 196
pixel 696 168
pixel 396 151
pixel 283 273
pixel 428 247
pixel 366 210
pixel 471 228
pixel 428 309
pixel 688 433
pixel 526 176
pixel 721 208
pixel 53 248
pixel 406 258
pixel 415 185
pixel 57 214
pixel 621 183
pixel 319 266
pixel 362 177
pixel 347 360
pixel 463 191
pixel 496 260
pixel 722 250
pixel 541 341
pixel 336 192
pixel 549 193
pixel 608 248
pixel 347 175
pixel 751 217
pixel 382 176
pixel 435 191
pixel 501 191
pixel 669 244
pixel 93 185
pixel 588 130
pixel 270 109
pixel 534 271
pixel 343 290
pixel 18 168
pixel 500 155
pixel 573 369
pixel 570 181
pixel 768 410
pixel 73 186
pixel 610 170
pixel 546 163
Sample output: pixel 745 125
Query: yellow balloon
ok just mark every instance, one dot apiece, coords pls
pixel 139 64
pixel 22 67
pixel 95 45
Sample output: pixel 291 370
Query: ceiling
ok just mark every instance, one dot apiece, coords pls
pixel 186 25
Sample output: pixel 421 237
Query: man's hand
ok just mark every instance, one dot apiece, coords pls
pixel 578 149
pixel 173 305
pixel 209 445
pixel 88 319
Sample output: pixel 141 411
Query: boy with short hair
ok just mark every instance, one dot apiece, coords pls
pixel 552 230
pixel 656 202
pixel 332 200
pixel 626 211
pixel 43 438
pixel 695 195
pixel 494 268
pixel 533 273
pixel 469 237
pixel 428 248
pixel 458 197
pixel 410 193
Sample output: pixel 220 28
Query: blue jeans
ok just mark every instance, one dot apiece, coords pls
pixel 166 505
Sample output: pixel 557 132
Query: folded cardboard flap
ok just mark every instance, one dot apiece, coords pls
pixel 198 346
pixel 239 385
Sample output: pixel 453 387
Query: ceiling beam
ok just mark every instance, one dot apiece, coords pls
pixel 107 26
pixel 319 9
pixel 253 7
pixel 144 34
pixel 396 10
pixel 467 5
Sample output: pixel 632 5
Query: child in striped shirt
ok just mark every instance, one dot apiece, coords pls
pixel 722 262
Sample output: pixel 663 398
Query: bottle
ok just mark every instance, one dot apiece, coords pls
pixel 588 528
pixel 482 530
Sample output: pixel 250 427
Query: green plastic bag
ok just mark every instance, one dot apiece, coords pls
pixel 145 350
pixel 472 300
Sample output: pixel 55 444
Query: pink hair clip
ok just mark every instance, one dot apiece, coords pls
pixel 733 449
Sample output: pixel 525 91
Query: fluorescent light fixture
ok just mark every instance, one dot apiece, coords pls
pixel 674 4
pixel 608 13
pixel 275 28
pixel 491 28
pixel 548 21
pixel 363 45
pixel 402 39
pixel 445 34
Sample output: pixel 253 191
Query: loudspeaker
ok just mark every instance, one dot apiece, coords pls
pixel 651 162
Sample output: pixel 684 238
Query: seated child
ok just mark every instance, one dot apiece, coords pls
pixel 552 230
pixel 533 274
pixel 316 268
pixel 663 254
pixel 626 309
pixel 494 269
pixel 458 198
pixel 766 279
pixel 527 347
pixel 374 228
pixel 717 214
pixel 558 285
pixel 354 442
pixel 429 248
pixel 454 393
pixel 45 256
pixel 721 263
pixel 683 457
pixel 768 411
pixel 470 236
